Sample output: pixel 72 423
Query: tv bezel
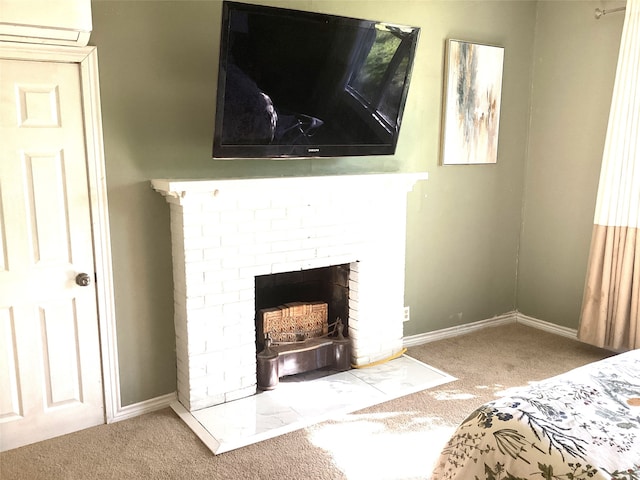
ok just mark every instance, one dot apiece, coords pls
pixel 271 151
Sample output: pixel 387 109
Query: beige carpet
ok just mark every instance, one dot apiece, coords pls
pixel 399 439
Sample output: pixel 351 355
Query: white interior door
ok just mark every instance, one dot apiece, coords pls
pixel 50 370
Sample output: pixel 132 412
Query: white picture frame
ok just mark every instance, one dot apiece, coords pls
pixel 472 101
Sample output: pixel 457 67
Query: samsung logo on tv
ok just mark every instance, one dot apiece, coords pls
pixel 313 150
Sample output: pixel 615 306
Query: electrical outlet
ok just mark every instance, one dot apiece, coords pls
pixel 407 314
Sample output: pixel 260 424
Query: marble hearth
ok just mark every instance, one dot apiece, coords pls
pixel 226 232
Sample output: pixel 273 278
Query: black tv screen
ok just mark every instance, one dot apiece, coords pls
pixel 302 84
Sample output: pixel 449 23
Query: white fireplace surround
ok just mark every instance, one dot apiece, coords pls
pixel 226 232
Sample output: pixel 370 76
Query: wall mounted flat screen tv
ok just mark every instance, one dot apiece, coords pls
pixel 302 84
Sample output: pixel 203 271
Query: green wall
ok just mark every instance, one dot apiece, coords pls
pixel 463 223
pixel 574 69
pixel 158 65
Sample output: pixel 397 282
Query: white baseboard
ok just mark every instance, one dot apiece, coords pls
pixel 146 406
pixel 547 326
pixel 164 401
pixel 510 317
pixel 428 337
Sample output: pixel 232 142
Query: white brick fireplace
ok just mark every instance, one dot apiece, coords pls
pixel 226 232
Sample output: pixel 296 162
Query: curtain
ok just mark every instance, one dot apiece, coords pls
pixel 611 302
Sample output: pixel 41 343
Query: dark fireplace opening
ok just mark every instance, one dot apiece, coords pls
pixel 326 284
pixel 301 323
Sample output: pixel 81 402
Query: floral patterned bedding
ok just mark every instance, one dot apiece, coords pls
pixel 584 424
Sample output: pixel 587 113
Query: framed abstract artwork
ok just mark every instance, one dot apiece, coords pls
pixel 471 110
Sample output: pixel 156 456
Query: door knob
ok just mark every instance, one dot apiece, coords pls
pixel 83 279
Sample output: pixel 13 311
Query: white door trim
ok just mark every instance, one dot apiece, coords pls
pixel 87 59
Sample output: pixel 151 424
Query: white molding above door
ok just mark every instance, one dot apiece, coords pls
pixel 59 22
pixel 87 59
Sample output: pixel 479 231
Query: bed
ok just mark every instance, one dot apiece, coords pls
pixel 583 424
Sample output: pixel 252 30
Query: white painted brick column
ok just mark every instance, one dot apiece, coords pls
pixel 226 232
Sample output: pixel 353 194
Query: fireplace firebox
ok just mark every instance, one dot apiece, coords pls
pixel 300 323
pixel 325 284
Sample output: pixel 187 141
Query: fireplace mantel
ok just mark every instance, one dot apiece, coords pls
pixel 180 188
pixel 225 232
